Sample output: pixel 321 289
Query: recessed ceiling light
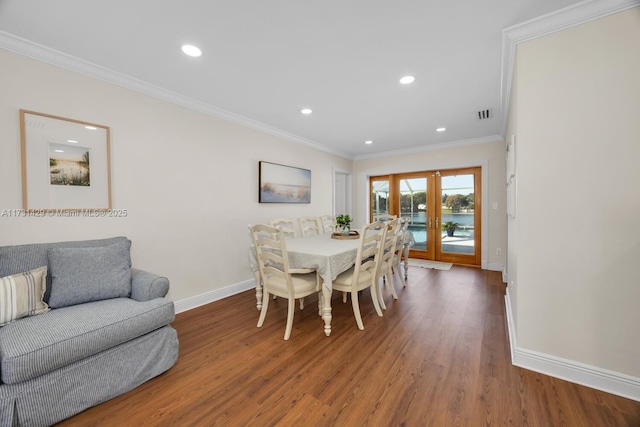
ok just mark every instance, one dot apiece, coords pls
pixel 191 50
pixel 306 111
pixel 441 129
pixel 368 142
pixel 407 79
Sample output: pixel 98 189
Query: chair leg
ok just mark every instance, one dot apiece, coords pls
pixel 356 309
pixel 290 312
pixel 301 300
pixel 378 291
pixel 398 270
pixel 258 289
pixel 390 282
pixel 263 311
pixel 320 302
pixel 405 255
pixel 404 276
pixel 374 297
pixel 344 297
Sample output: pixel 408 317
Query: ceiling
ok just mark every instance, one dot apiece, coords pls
pixel 266 60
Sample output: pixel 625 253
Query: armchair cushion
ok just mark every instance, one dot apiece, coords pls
pixel 80 275
pixel 37 345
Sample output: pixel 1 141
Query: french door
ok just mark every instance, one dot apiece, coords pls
pixel 443 208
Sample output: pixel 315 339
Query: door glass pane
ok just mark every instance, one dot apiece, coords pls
pixel 457 198
pixel 379 198
pixel 413 205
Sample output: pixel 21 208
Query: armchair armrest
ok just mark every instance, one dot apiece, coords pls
pixel 146 286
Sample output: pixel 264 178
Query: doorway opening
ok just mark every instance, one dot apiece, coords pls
pixel 341 193
pixel 443 208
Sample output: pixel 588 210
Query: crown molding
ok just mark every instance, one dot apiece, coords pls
pixel 433 147
pixel 60 59
pixel 559 20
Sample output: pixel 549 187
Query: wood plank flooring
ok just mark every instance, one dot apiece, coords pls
pixel 439 357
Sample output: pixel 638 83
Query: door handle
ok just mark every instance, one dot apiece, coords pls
pixel 429 223
pixel 436 222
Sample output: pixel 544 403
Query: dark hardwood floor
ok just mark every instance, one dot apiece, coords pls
pixel 439 357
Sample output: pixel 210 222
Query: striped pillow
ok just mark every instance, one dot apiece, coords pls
pixel 21 295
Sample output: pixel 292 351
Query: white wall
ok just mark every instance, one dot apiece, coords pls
pixel 189 181
pixel 489 154
pixel 578 147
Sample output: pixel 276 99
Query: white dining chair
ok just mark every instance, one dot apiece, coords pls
pixel 255 269
pixel 287 225
pixel 328 223
pixel 384 270
pixel 396 267
pixel 384 217
pixel 277 277
pixel 309 225
pixel 363 274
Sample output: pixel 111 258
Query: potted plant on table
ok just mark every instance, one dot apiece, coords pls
pixel 343 223
pixel 450 227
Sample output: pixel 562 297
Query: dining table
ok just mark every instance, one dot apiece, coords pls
pixel 328 255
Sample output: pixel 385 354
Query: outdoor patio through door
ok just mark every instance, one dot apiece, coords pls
pixel 443 208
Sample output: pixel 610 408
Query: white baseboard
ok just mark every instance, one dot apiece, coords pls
pixel 215 295
pixel 494 266
pixel 510 324
pixel 570 370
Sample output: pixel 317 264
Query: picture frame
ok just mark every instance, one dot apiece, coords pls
pixel 65 163
pixel 283 184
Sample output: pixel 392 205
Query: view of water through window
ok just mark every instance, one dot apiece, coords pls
pixel 457 208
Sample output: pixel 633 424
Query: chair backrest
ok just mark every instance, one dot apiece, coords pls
pixel 328 223
pixel 388 248
pixel 273 259
pixel 384 217
pixel 372 237
pixel 287 225
pixel 309 225
pixel 403 226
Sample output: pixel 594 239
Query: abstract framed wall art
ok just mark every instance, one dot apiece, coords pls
pixel 283 184
pixel 65 163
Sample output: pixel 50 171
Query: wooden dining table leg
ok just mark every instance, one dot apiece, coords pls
pixel 326 309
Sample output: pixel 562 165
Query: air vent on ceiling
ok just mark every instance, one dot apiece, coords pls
pixel 485 114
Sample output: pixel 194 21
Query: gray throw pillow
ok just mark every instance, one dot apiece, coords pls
pixel 80 275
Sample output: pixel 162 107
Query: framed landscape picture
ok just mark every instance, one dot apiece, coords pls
pixel 283 184
pixel 65 163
